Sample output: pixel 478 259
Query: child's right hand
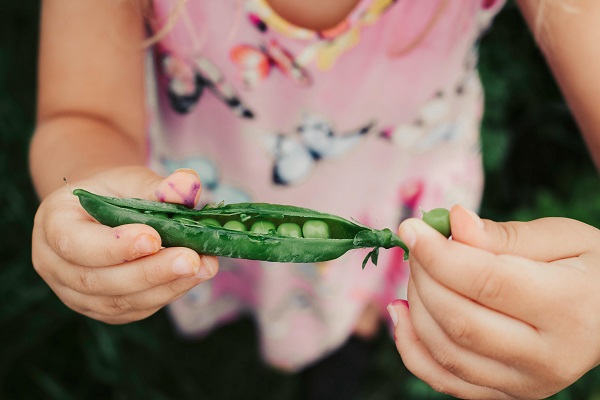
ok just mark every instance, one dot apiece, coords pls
pixel 116 275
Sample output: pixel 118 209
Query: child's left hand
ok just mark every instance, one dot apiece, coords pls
pixel 502 311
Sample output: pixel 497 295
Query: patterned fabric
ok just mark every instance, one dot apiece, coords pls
pixel 369 120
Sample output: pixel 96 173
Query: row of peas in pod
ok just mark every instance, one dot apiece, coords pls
pixel 311 229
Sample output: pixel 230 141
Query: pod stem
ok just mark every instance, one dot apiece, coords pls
pixel 384 238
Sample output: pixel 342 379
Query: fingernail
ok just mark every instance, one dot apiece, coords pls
pixel 207 268
pixel 407 234
pixel 187 170
pixel 184 265
pixel 393 313
pixel 146 244
pixel 402 301
pixel 392 309
pixel 478 221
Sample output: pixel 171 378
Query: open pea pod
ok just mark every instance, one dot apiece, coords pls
pixel 254 231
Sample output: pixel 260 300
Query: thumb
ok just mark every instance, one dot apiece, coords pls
pixel 182 187
pixel 544 239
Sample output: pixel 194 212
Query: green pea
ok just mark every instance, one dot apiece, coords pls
pixel 235 226
pixel 315 229
pixel 289 229
pixel 210 222
pixel 262 227
pixel 439 219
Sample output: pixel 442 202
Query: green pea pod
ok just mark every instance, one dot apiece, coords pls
pixel 183 227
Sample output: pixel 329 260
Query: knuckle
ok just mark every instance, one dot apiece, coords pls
pixel 151 274
pixel 509 235
pixel 118 305
pixel 88 281
pixel 487 286
pixel 458 328
pixel 446 359
pixel 176 288
pixel 56 237
pixel 62 244
pixel 113 254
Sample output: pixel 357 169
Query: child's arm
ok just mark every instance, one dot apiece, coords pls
pixel 91 130
pixel 568 34
pixel 507 310
pixel 90 92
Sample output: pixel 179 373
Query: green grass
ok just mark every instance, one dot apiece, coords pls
pixel 536 165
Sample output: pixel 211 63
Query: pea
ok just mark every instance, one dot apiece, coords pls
pixel 315 229
pixel 210 222
pixel 262 227
pixel 235 226
pixel 284 244
pixel 439 219
pixel 289 229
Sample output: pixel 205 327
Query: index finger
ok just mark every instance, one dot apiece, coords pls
pixel 145 273
pixel 76 237
pixel 501 282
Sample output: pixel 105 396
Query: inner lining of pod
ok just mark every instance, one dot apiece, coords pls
pixel 337 229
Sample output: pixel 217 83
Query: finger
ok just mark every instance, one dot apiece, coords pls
pixel 475 327
pixel 419 361
pixel 541 239
pixel 141 274
pixel 460 362
pixel 129 307
pixel 74 236
pixel 505 283
pixel 526 358
pixel 182 186
pixel 69 231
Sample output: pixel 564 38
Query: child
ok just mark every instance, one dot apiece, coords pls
pixel 367 109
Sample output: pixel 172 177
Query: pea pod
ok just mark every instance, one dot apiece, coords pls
pixel 178 225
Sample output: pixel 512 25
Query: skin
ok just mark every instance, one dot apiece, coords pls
pixel 504 310
pixel 509 310
pixel 500 312
pixel 569 40
pixel 314 14
pixel 91 130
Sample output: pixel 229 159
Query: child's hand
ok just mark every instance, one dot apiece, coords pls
pixel 504 310
pixel 120 274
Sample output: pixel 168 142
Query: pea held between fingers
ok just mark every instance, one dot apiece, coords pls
pixel 439 219
pixel 254 231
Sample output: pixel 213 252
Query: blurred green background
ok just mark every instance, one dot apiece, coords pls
pixel 536 165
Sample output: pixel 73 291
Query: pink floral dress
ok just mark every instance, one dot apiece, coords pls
pixel 369 120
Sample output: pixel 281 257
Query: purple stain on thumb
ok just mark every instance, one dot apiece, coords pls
pixel 160 196
pixel 189 198
pixel 182 187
